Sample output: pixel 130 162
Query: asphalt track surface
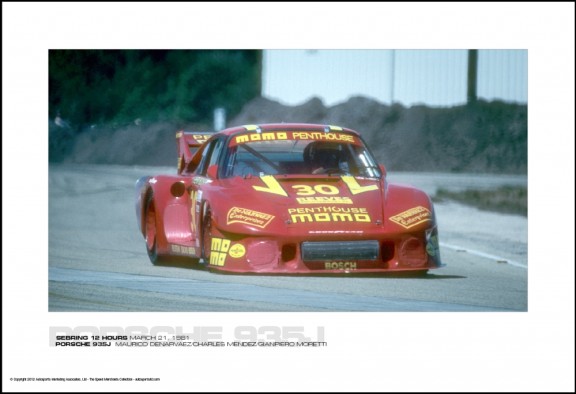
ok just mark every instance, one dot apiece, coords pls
pixel 98 262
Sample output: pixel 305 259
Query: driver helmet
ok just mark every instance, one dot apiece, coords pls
pixel 323 154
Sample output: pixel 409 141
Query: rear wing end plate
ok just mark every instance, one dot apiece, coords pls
pixel 188 142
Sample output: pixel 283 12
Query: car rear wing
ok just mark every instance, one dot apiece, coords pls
pixel 187 143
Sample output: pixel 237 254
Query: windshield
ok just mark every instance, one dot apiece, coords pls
pixel 299 153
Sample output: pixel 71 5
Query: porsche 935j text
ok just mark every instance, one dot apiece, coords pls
pixel 282 199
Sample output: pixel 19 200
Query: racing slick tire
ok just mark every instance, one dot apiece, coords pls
pixel 206 243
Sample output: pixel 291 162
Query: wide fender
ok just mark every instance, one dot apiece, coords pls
pixel 407 208
pixel 166 191
pixel 233 212
pixel 218 202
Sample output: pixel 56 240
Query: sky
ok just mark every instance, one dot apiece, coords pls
pixel 434 77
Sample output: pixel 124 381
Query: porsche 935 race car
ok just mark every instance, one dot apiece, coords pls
pixel 285 199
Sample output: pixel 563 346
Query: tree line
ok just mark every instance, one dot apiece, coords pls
pixel 106 87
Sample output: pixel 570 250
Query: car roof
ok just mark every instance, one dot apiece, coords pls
pixel 286 127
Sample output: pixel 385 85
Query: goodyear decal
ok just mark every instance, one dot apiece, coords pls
pixel 248 216
pixel 328 214
pixel 412 217
pixel 221 248
pixel 293 136
pixel 340 265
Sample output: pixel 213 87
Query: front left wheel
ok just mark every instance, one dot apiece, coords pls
pixel 206 235
pixel 150 231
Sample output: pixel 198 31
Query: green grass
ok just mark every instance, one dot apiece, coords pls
pixel 506 199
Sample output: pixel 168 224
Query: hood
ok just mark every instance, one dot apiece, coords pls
pixel 314 204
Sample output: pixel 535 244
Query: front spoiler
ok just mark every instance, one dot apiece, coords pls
pixel 385 253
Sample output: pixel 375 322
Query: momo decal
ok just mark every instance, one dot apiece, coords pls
pixel 248 216
pixel 218 251
pixel 241 139
pixel 412 217
pixel 221 248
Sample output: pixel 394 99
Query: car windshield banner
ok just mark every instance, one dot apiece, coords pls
pixel 294 136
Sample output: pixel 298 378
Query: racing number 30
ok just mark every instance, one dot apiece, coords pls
pixel 305 190
pixel 355 188
pixel 272 186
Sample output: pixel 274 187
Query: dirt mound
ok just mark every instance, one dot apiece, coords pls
pixel 148 144
pixel 488 137
pixel 484 137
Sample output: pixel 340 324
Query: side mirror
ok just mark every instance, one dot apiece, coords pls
pixel 383 169
pixel 212 171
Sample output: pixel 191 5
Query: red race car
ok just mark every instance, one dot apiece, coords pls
pixel 285 199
